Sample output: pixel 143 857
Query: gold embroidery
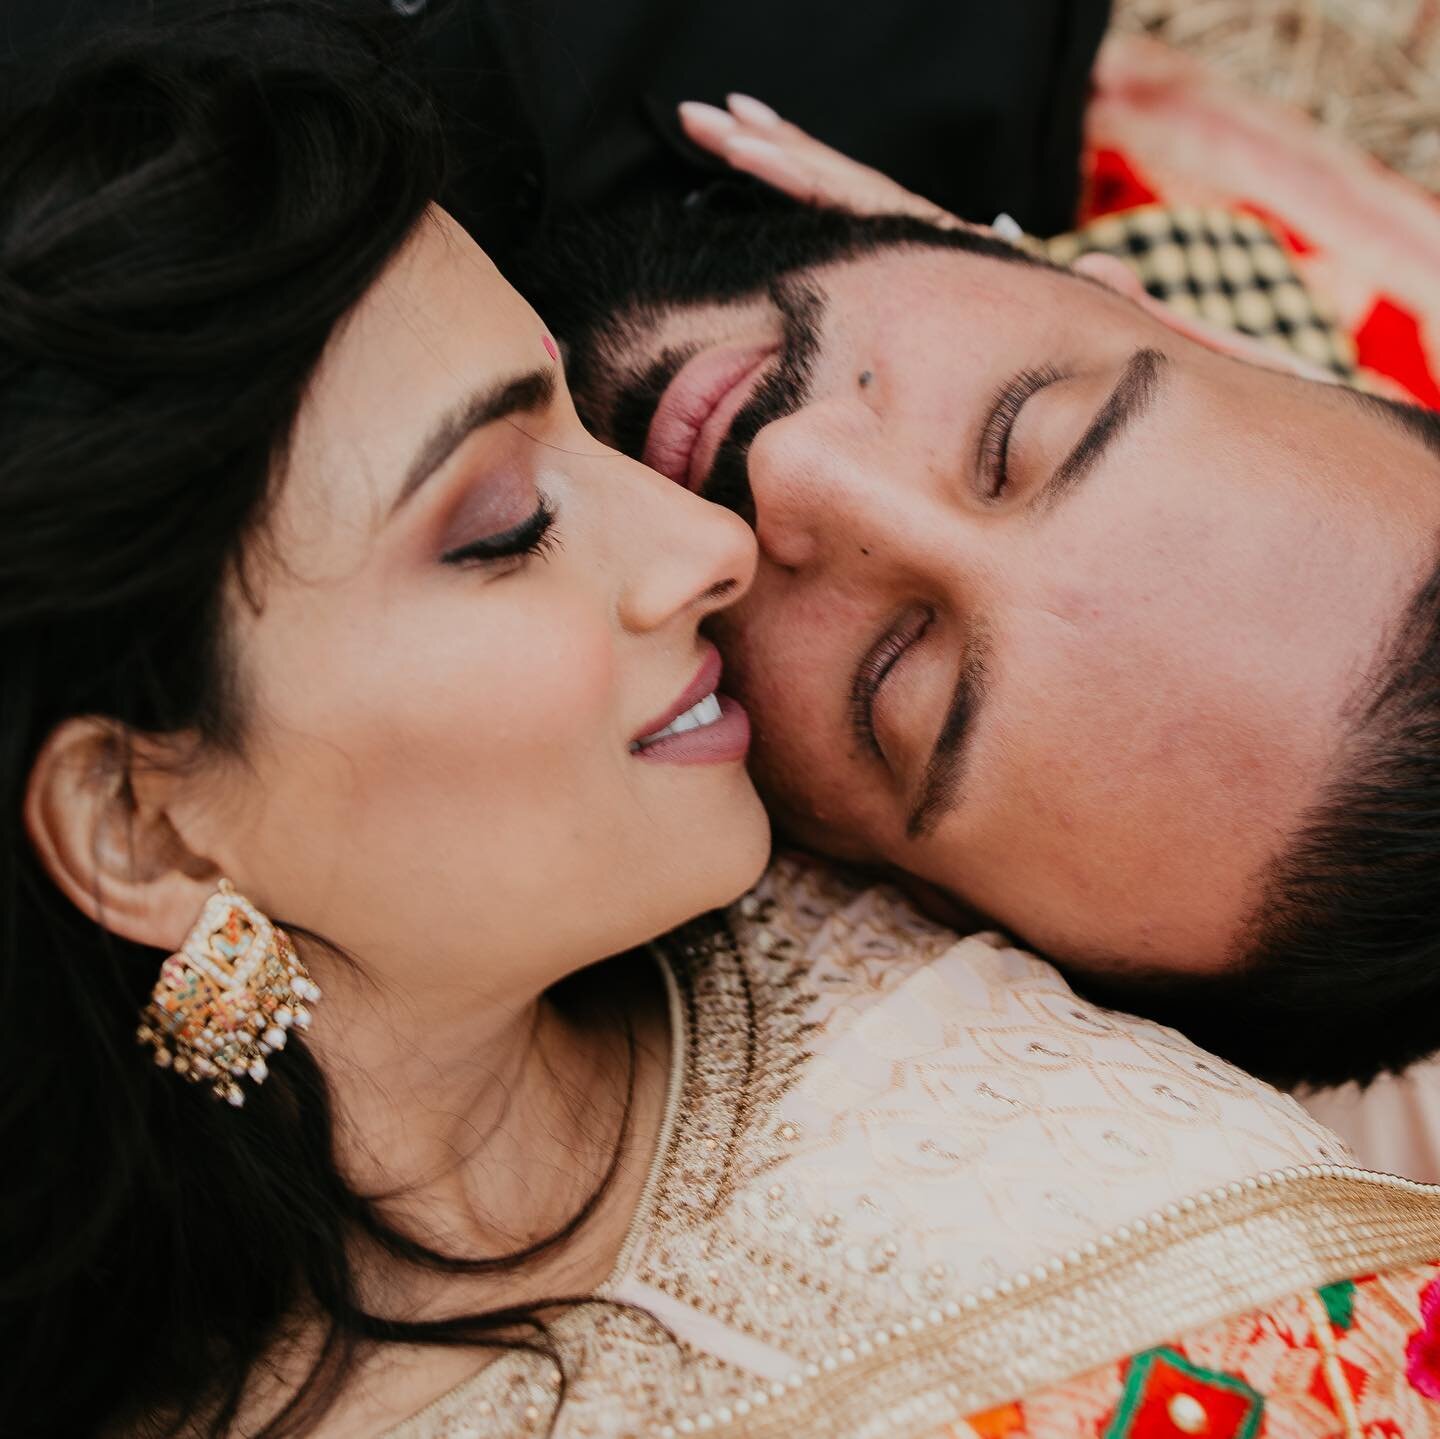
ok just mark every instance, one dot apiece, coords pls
pixel 1193 1264
pixel 870 1120
pixel 1340 1390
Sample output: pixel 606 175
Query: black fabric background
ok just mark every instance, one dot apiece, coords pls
pixel 555 104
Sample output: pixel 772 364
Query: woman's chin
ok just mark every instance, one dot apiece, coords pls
pixel 733 853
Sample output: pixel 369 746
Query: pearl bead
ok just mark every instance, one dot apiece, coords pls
pixel 1188 1414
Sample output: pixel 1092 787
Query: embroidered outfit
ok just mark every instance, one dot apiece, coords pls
pixel 905 1179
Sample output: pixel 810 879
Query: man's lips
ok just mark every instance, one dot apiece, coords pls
pixel 697 409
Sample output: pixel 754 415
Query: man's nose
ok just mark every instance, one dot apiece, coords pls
pixel 817 497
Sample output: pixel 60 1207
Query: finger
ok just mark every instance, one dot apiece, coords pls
pixel 753 112
pixel 776 166
pixel 707 125
pixel 758 119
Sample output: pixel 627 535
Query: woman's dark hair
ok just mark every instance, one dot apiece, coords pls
pixel 189 211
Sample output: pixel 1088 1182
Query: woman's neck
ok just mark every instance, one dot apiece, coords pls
pixel 483 1139
pixel 488 1129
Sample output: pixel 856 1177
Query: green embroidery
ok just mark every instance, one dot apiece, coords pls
pixel 1339 1302
pixel 1137 1379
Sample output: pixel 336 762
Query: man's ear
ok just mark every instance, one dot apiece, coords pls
pixel 95 812
pixel 1116 275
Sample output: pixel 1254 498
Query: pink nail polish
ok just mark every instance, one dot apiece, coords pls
pixel 707 117
pixel 751 110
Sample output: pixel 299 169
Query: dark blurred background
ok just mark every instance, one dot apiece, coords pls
pixel 558 104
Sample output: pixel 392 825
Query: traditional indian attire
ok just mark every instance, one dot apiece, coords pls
pixel 909 1184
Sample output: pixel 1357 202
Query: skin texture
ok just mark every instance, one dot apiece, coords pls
pixel 437 778
pixel 1173 650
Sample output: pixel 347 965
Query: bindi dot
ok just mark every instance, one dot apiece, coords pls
pixel 550 348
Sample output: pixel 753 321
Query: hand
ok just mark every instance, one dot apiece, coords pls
pixel 751 137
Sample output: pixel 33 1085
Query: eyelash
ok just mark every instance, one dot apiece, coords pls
pixel 533 536
pixel 873 672
pixel 1004 411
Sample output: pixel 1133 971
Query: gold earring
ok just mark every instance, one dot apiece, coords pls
pixel 226 997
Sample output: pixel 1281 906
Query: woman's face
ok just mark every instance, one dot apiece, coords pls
pixel 439 771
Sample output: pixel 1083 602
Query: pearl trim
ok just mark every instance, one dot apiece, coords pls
pixel 1151 1226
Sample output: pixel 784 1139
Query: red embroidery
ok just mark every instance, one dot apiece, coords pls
pixel 1114 185
pixel 1389 343
pixel 1422 1353
pixel 1291 238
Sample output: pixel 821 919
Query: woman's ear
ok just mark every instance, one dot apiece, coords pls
pixel 1116 275
pixel 105 837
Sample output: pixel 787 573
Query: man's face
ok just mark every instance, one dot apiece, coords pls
pixel 1058 610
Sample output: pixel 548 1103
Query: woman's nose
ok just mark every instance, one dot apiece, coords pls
pixel 682 557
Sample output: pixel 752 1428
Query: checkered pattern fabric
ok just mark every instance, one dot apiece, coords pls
pixel 1220 266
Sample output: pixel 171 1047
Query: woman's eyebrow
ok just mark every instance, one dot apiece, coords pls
pixel 518 395
pixel 1134 392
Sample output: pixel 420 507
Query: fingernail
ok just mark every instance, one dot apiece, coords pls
pixel 751 110
pixel 1007 227
pixel 707 117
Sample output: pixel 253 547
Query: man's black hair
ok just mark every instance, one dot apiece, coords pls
pixel 1339 977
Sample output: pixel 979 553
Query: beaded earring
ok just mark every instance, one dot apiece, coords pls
pixel 225 999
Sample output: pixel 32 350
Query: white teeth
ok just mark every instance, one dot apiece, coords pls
pixel 697 717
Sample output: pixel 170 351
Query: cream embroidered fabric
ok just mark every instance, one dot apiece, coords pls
pixel 871 1121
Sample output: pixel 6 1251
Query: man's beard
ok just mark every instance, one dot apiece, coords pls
pixel 603 285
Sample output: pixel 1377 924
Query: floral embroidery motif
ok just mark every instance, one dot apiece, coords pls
pixel 1167 1397
pixel 1422 1353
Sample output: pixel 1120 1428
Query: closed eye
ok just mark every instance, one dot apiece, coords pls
pixel 992 463
pixel 535 535
pixel 874 669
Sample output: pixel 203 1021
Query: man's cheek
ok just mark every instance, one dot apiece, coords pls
pixel 817 804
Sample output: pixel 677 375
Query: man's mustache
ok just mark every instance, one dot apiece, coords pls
pixel 781 393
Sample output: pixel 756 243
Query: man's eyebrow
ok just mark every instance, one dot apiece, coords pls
pixel 946 765
pixel 1134 392
pixel 518 395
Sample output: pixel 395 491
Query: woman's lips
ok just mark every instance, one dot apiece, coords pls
pixel 697 409
pixel 720 741
pixel 724 741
